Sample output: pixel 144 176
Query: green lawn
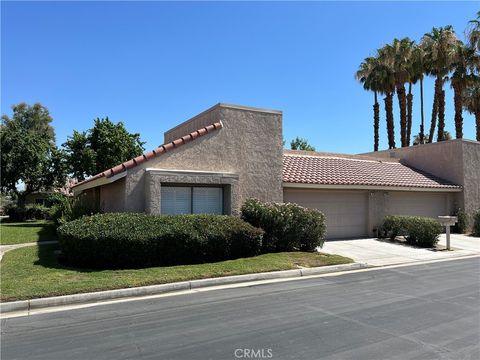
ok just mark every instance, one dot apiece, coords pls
pixel 35 272
pixel 25 232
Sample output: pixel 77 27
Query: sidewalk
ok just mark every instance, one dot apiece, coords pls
pixel 379 252
pixel 5 248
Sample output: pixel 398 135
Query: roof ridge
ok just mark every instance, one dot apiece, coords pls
pixel 153 153
pixel 343 157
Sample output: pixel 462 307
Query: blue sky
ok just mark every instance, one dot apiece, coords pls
pixel 152 65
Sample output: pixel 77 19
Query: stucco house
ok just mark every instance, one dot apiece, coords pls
pixel 214 161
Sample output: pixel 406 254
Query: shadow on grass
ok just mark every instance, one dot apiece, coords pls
pixel 49 257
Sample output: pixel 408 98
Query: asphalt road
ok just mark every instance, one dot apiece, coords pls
pixel 426 311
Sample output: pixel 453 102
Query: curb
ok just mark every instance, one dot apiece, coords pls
pixel 92 297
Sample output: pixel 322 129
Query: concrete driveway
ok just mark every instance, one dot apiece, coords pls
pixel 379 252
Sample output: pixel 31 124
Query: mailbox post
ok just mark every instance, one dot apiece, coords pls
pixel 447 221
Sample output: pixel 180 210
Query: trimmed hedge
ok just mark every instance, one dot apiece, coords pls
pixel 418 231
pixel 124 240
pixel 288 227
pixel 461 226
pixel 476 223
pixel 28 212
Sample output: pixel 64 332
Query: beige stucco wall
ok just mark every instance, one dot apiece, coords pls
pixel 249 145
pixel 454 160
pixel 112 196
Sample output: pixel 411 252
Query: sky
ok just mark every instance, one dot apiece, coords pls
pixel 153 65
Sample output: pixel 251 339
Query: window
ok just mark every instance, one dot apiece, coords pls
pixel 191 200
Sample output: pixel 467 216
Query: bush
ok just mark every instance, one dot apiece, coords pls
pixel 64 209
pixel 28 212
pixel 124 240
pixel 461 226
pixel 287 227
pixel 418 231
pixel 476 223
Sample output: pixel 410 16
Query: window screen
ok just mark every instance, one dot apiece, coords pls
pixel 176 200
pixel 207 200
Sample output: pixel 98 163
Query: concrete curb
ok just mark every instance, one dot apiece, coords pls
pixel 27 305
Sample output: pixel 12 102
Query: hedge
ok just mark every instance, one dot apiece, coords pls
pixel 27 212
pixel 476 223
pixel 418 231
pixel 461 226
pixel 288 227
pixel 124 240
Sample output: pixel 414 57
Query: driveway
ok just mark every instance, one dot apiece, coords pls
pixel 379 252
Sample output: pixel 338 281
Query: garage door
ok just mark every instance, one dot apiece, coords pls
pixel 346 212
pixel 416 204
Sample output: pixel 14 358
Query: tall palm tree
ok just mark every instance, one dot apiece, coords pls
pixel 398 56
pixel 417 72
pixel 465 61
pixel 439 46
pixel 473 33
pixel 368 75
pixel 471 100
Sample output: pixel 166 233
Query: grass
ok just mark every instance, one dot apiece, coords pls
pixel 34 272
pixel 25 232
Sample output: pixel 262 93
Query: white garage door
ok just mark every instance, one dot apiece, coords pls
pixel 346 211
pixel 416 204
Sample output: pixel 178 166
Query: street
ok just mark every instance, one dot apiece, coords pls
pixel 428 311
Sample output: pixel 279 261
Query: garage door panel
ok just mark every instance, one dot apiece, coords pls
pixel 417 204
pixel 346 212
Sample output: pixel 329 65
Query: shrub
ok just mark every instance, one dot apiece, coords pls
pixel 418 231
pixel 124 240
pixel 65 209
pixel 287 227
pixel 476 223
pixel 37 212
pixel 28 212
pixel 461 226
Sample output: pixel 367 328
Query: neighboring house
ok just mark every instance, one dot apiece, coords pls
pixel 213 162
pixel 41 197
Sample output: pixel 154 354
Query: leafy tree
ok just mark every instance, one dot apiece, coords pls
pixel 369 75
pixel 397 56
pixel 301 144
pixel 439 46
pixel 28 151
pixel 471 100
pixel 102 147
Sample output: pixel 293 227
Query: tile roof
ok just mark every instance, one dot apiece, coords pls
pixel 349 170
pixel 154 153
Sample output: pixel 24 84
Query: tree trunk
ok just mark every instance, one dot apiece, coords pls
pixel 402 103
pixel 436 95
pixel 457 97
pixel 422 124
pixel 441 116
pixel 409 114
pixel 389 115
pixel 376 123
pixel 477 121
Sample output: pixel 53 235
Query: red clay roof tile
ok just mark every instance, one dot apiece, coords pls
pixel 154 153
pixel 332 170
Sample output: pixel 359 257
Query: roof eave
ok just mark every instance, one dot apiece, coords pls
pixel 370 187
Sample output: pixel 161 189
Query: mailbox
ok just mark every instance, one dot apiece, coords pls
pixel 447 221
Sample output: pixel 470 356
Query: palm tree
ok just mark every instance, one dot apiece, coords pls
pixel 439 46
pixel 473 33
pixel 398 56
pixel 471 100
pixel 464 61
pixel 368 75
pixel 417 72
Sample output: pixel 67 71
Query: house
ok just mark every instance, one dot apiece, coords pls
pixel 216 160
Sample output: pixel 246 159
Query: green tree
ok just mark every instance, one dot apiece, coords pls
pixel 102 147
pixel 417 73
pixel 369 75
pixel 28 151
pixel 301 144
pixel 471 100
pixel 397 56
pixel 439 46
